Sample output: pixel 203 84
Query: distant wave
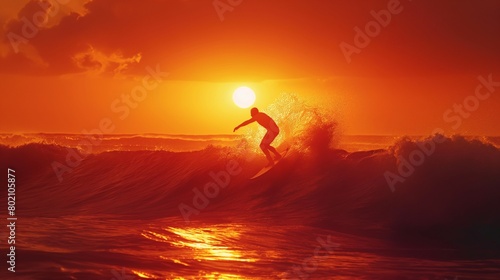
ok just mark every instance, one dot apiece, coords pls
pixel 121 142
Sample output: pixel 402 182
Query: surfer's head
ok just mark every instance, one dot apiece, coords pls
pixel 254 111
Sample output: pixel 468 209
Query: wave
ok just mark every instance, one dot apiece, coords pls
pixel 98 143
pixel 443 188
pixel 438 187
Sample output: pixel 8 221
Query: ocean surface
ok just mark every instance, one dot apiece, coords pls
pixel 127 207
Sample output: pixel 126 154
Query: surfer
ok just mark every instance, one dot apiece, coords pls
pixel 272 131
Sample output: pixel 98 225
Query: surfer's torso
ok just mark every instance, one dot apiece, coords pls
pixel 266 121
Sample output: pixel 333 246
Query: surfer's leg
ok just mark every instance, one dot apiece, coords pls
pixel 265 149
pixel 268 139
pixel 264 146
pixel 273 149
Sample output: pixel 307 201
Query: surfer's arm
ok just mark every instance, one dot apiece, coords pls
pixel 244 123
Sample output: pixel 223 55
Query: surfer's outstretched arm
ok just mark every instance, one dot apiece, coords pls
pixel 244 123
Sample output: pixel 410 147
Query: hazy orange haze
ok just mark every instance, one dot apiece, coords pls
pixel 88 54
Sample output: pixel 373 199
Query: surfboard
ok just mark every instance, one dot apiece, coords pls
pixel 266 169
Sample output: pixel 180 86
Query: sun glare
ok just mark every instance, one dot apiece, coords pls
pixel 244 97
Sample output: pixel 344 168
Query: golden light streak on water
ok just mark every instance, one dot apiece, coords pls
pixel 143 274
pixel 208 243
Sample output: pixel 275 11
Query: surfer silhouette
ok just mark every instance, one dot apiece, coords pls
pixel 272 131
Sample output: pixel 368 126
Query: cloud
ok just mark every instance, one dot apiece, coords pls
pixel 96 62
pixel 22 23
pixel 279 39
pixel 118 32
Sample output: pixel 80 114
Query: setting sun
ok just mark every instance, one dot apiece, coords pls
pixel 243 97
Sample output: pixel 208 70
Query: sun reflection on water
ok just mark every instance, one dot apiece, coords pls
pixel 216 276
pixel 142 274
pixel 218 244
pixel 210 243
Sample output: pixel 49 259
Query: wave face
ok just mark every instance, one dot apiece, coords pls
pixel 436 187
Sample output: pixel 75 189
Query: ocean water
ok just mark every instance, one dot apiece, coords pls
pixel 129 212
pixel 127 207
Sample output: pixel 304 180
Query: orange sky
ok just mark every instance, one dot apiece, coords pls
pixel 71 71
